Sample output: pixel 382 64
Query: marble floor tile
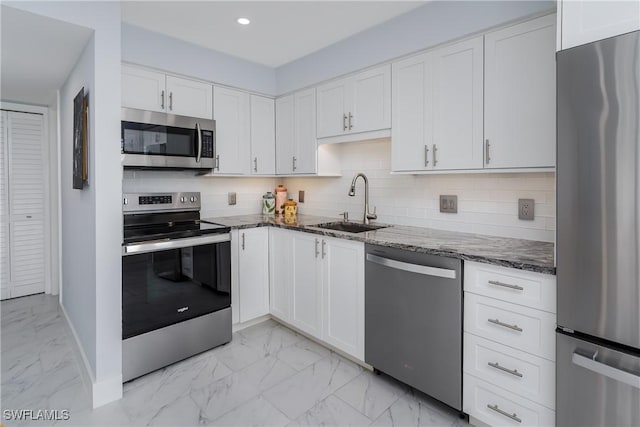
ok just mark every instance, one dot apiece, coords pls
pixel 415 409
pixel 238 354
pixel 302 354
pixel 273 341
pixel 331 411
pixel 266 373
pixel 372 394
pixel 256 412
pixel 305 389
pixel 259 329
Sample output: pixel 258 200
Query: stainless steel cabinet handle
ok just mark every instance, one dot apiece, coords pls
pixel 608 371
pixel 255 164
pixel 502 368
pixel 29 216
pixel 243 241
pixel 350 121
pixel 513 416
pixel 317 251
pixel 426 156
pixel 414 268
pixel 324 252
pixel 505 325
pixel 294 163
pixel 217 162
pixel 199 133
pixel 487 158
pixel 162 99
pixel 170 100
pixel 344 122
pixel 506 285
pixel 435 159
pixel 161 245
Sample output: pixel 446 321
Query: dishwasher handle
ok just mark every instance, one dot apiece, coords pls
pixel 413 268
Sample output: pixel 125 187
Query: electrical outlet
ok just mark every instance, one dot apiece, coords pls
pixel 232 198
pixel 301 196
pixel 449 204
pixel 526 209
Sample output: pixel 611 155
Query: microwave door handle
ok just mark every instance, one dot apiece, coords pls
pixel 199 149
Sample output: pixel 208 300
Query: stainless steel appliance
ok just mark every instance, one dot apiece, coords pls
pixel 160 140
pixel 598 191
pixel 176 282
pixel 413 320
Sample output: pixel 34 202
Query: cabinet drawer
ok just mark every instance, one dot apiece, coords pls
pixel 519 327
pixel 529 376
pixel 526 288
pixel 499 407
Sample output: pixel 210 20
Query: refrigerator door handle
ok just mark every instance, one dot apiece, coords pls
pixel 608 371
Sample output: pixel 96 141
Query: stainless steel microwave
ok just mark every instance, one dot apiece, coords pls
pixel 159 140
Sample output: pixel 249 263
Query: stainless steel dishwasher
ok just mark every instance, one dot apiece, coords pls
pixel 413 320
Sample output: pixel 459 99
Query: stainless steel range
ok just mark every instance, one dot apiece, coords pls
pixel 176 281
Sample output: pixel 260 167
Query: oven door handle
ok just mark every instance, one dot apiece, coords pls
pixel 156 246
pixel 199 135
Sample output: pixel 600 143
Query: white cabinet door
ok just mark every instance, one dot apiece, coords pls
pixel 143 89
pixel 370 100
pixel 285 140
pixel 232 114
pixel 253 273
pixel 586 21
pixel 520 95
pixel 343 295
pixel 307 286
pixel 458 106
pixel 189 98
pixel 332 115
pixel 412 105
pixel 306 146
pixel 4 207
pixel 263 136
pixel 280 263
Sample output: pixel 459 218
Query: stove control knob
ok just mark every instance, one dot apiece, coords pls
pixel 192 199
pixel 125 201
pixel 183 199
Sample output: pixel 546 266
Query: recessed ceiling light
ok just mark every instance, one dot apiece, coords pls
pixel 244 21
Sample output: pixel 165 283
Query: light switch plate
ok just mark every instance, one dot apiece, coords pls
pixel 449 203
pixel 301 196
pixel 526 209
pixel 232 198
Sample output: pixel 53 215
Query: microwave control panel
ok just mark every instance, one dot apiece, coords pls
pixel 207 143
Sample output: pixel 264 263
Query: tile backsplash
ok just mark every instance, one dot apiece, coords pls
pixel 487 202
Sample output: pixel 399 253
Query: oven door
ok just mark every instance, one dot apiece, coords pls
pixel 168 282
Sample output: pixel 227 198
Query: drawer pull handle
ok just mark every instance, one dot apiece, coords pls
pixel 506 285
pixel 513 416
pixel 502 368
pixel 505 325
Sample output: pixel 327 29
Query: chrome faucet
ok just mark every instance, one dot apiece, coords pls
pixel 352 192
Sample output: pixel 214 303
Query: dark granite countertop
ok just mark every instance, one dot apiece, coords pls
pixel 522 254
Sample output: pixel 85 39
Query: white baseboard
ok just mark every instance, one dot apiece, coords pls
pixel 101 392
pixel 240 326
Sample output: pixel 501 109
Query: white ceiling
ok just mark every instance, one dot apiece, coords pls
pixel 37 55
pixel 280 31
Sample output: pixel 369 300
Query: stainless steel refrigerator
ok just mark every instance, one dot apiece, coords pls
pixel 598 252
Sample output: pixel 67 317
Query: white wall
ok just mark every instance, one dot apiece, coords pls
pixel 144 47
pixel 92 218
pixel 426 26
pixel 213 190
pixel 487 203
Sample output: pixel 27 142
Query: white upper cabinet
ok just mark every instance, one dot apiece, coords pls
pixel 296 146
pixel 232 112
pixel 437 104
pixel 263 136
pixel 586 21
pixel 154 91
pixel 359 103
pixel 520 95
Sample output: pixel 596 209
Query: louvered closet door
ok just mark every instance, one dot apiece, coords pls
pixel 4 208
pixel 26 203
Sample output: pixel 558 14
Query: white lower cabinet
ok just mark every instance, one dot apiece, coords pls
pixel 317 286
pixel 252 272
pixel 509 346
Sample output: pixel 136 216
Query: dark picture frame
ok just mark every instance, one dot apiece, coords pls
pixel 80 140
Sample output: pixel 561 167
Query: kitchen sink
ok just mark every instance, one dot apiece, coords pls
pixel 350 227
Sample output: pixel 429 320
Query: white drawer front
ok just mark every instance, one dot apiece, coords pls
pixel 526 288
pixel 529 376
pixel 498 407
pixel 519 327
